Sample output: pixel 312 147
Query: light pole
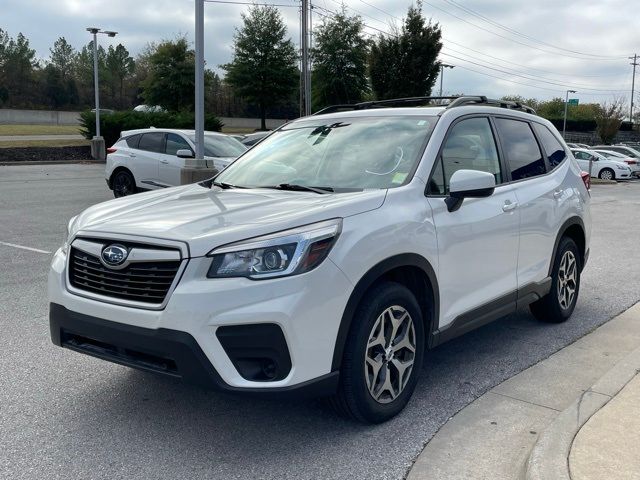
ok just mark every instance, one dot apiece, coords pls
pixel 199 82
pixel 442 67
pixel 566 105
pixel 98 141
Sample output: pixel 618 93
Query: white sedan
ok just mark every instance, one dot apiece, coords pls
pixel 601 166
pixel 153 158
pixel 634 163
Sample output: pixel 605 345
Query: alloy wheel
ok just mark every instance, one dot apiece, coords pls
pixel 123 185
pixel 606 175
pixel 390 354
pixel 567 279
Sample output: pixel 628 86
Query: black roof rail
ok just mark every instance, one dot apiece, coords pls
pixel 454 101
pixel 482 100
pixel 380 103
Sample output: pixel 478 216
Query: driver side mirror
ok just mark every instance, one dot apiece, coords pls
pixel 469 184
pixel 184 153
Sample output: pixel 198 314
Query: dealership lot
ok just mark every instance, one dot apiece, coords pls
pixel 67 415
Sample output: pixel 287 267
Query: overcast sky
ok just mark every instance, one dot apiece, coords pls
pixel 553 45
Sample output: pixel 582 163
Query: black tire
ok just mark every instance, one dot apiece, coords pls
pixel 607 174
pixel 550 308
pixel 123 184
pixel 353 399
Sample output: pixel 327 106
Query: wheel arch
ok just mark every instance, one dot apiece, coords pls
pixel 120 168
pixel 574 229
pixel 409 269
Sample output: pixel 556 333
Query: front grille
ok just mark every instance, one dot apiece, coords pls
pixel 146 282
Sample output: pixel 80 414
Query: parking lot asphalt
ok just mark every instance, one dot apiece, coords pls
pixel 66 415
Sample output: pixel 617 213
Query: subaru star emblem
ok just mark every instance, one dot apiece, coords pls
pixel 114 255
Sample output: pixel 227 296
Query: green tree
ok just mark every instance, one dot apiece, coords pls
pixel 83 72
pixel 120 66
pixel 19 68
pixel 340 61
pixel 608 119
pixel 264 68
pixel 4 44
pixel 62 57
pixel 406 64
pixel 170 82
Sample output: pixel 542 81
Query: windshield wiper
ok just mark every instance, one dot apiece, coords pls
pixel 225 185
pixel 303 188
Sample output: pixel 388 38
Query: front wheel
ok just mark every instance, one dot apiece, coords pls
pixel 123 184
pixel 383 355
pixel 607 174
pixel 557 306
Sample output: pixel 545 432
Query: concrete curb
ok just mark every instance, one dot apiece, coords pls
pixel 52 162
pixel 549 457
pixel 598 181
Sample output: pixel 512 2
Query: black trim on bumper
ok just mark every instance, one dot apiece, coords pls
pixel 165 351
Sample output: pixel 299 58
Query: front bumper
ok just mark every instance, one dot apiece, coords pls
pixel 188 331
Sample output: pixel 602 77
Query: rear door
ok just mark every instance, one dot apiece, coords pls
pixel 477 244
pixel 538 184
pixel 150 147
pixel 170 165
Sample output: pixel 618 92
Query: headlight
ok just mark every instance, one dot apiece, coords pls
pixel 622 167
pixel 290 252
pixel 65 245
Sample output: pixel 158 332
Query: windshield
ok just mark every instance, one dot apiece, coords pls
pixel 345 153
pixel 221 146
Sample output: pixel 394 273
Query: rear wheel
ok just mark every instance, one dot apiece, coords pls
pixel 123 184
pixel 607 174
pixel 557 306
pixel 383 355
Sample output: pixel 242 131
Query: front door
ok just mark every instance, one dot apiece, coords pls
pixel 170 164
pixel 478 243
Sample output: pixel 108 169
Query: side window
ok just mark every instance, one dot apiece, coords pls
pixel 555 152
pixel 152 142
pixel 175 143
pixel 133 141
pixel 521 149
pixel 470 145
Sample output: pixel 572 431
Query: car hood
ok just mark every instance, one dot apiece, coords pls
pixel 207 218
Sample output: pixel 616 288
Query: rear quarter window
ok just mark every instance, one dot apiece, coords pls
pixel 552 146
pixel 133 141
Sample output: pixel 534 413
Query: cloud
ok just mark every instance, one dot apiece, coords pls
pixel 517 39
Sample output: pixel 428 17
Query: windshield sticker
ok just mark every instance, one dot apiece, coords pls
pixel 399 178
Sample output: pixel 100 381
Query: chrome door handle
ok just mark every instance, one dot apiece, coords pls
pixel 558 193
pixel 132 155
pixel 509 206
pixel 164 161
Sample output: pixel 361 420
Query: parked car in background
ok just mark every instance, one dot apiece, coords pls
pixel 602 167
pixel 253 138
pixel 578 145
pixel 625 150
pixel 148 109
pixel 152 158
pixel 634 163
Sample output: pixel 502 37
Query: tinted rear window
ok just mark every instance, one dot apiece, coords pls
pixel 152 142
pixel 553 148
pixel 521 149
pixel 133 141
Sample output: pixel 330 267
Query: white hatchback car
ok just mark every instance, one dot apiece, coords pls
pixel 633 163
pixel 601 166
pixel 328 258
pixel 152 158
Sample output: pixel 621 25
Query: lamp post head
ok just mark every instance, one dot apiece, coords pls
pixel 110 33
pixel 93 30
pixel 572 91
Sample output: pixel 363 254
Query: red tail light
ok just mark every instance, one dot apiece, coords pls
pixel 630 162
pixel 112 150
pixel 586 179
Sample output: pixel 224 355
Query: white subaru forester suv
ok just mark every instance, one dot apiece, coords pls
pixel 326 260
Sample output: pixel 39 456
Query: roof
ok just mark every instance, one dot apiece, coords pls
pixel 166 130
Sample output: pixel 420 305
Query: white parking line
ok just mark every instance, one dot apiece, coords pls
pixel 24 248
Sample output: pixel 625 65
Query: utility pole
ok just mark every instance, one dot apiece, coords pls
pixel 566 105
pixel 442 67
pixel 306 76
pixel 633 84
pixel 199 81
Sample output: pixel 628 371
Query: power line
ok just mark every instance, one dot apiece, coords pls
pixel 515 32
pixel 232 2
